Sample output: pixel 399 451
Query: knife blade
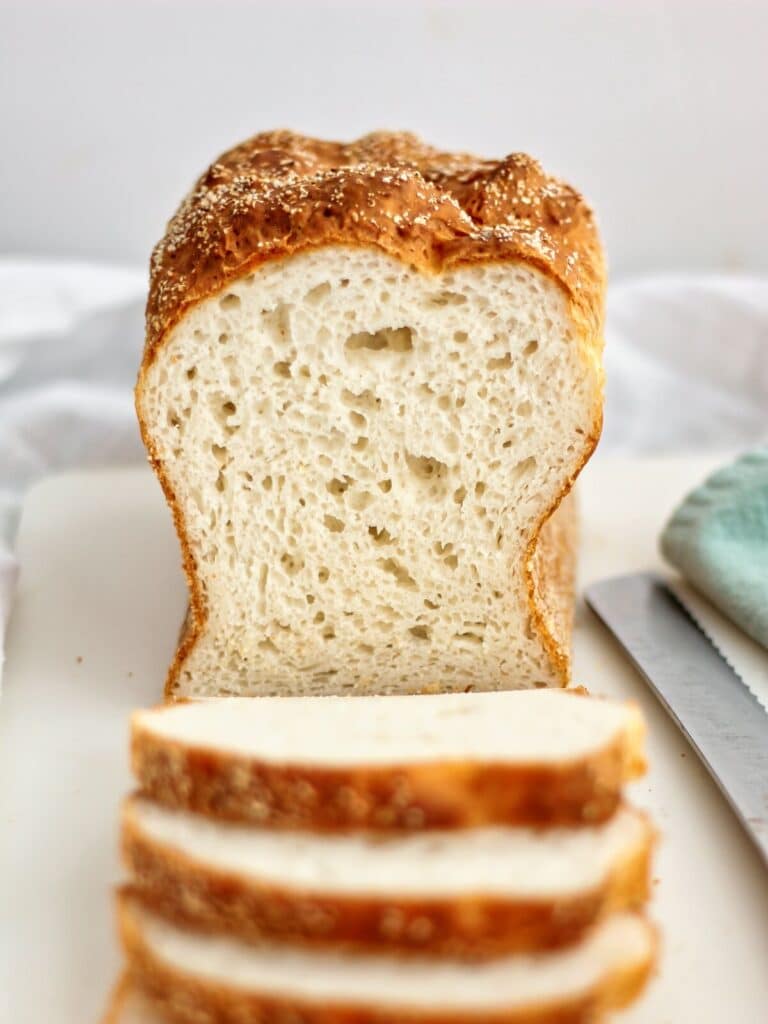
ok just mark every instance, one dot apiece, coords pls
pixel 722 720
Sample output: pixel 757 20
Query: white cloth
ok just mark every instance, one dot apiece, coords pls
pixel 687 369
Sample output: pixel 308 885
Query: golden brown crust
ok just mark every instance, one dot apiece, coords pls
pixel 551 581
pixel 279 193
pixel 188 999
pixel 194 894
pixel 412 796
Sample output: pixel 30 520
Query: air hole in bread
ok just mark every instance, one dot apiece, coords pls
pixel 425 467
pixel 444 402
pixel 447 298
pixel 267 645
pixel 366 400
pixel 278 323
pixel 469 638
pixel 290 564
pixel 524 409
pixel 337 487
pixel 388 339
pixel 360 500
pixel 229 301
pixel 357 419
pixel 459 495
pixel 360 444
pixel 333 524
pixel 317 294
pixel 461 337
pixel 502 363
pixel 401 574
pixel 523 469
pixel 380 535
pixel 420 632
pixel 530 348
pixel 385 486
pixel 282 369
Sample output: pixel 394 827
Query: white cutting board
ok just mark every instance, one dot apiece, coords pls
pixel 100 602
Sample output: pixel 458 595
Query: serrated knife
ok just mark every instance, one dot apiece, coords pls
pixel 723 721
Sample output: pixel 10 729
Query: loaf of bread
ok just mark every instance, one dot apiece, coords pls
pixel 209 978
pixel 395 762
pixel 461 892
pixel 372 373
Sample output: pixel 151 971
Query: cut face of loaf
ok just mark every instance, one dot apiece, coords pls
pixel 362 456
pixel 423 761
pixel 206 979
pixel 476 892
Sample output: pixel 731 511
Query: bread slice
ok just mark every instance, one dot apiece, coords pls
pixel 372 372
pixel 424 761
pixel 467 892
pixel 208 979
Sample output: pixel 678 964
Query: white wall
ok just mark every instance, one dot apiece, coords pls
pixel 657 110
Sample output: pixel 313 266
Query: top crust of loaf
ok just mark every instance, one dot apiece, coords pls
pixel 279 193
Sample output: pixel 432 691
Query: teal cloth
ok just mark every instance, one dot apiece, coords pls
pixel 718 539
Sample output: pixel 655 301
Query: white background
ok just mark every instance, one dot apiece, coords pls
pixel 657 110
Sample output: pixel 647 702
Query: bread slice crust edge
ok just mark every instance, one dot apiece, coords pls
pixel 188 999
pixel 440 794
pixel 193 894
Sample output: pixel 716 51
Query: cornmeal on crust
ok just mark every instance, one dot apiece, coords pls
pixel 372 372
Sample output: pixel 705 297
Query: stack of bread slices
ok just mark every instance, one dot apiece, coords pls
pixel 440 858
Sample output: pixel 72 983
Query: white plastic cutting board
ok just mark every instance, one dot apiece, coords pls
pixel 100 602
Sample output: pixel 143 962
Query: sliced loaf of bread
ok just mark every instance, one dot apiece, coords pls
pixel 468 892
pixel 372 372
pixel 207 979
pixel 425 761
